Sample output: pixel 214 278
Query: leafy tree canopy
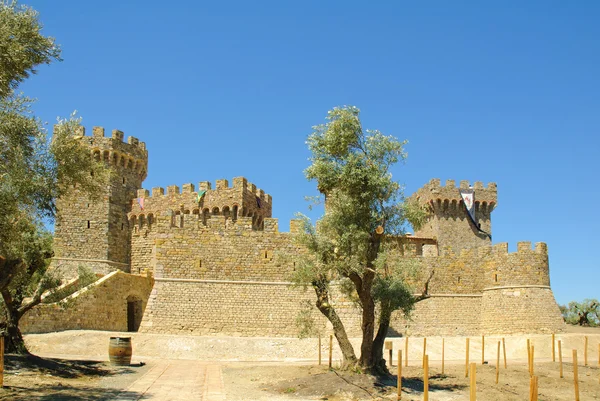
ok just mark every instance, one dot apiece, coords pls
pixel 34 169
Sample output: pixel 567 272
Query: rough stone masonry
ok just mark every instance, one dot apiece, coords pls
pixel 203 260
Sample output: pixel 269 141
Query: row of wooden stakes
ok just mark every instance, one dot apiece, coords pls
pixel 470 368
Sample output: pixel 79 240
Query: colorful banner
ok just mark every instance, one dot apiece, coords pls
pixel 200 195
pixel 258 202
pixel 141 203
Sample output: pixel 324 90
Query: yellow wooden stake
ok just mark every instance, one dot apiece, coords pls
pixel 473 392
pixel 532 361
pixel 575 375
pixel 319 349
pixel 467 360
pixel 424 349
pixel 443 355
pixel 426 378
pixel 498 363
pixel 399 374
pixel 553 351
pixel 533 391
pixel 529 356
pixel 406 352
pixel 482 349
pixel 330 349
pixel 560 359
pixel 504 349
pixel 585 347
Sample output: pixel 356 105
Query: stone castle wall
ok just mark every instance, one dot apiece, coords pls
pixel 98 233
pixel 220 266
pixel 100 306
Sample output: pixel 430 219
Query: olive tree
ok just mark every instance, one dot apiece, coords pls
pixel 350 245
pixel 34 171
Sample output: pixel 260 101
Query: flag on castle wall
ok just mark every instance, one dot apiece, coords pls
pixel 141 203
pixel 200 195
pixel 258 202
pixel 468 197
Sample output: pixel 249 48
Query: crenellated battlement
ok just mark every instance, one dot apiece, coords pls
pixel 435 193
pixel 242 199
pixel 131 155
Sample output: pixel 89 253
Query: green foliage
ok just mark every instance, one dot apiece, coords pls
pixel 305 321
pixel 34 170
pixel 22 45
pixel 585 313
pixel 363 206
pixel 415 213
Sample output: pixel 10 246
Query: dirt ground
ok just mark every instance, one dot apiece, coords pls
pixel 318 383
pixel 56 377
pixel 35 378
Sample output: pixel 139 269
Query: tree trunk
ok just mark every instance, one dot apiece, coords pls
pixel 13 340
pixel 379 366
pixel 367 326
pixel 324 306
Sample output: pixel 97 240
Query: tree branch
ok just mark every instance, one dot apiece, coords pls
pixel 425 294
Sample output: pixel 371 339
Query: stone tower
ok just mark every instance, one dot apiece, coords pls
pixel 97 234
pixel 449 222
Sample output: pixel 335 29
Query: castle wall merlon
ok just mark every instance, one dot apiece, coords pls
pixel 132 155
pixel 434 191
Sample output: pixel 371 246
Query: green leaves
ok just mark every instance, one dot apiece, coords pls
pixel 22 45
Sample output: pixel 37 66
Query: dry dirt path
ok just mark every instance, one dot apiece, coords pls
pixel 177 380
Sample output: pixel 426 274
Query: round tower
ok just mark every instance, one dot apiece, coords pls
pixel 517 297
pixel 97 234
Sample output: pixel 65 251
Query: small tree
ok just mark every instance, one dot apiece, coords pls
pixel 34 171
pixel 585 313
pixel 350 244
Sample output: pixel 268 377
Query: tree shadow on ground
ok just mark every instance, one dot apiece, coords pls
pixel 30 377
pixel 59 392
pixel 63 368
pixel 435 383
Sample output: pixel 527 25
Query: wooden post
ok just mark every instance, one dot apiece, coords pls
pixel 319 349
pixel 426 378
pixel 1 361
pixel 504 349
pixel 498 363
pixel 553 352
pixel 482 349
pixel 532 361
pixel 473 392
pixel 467 360
pixel 389 346
pixel 533 391
pixel 575 375
pixel 585 347
pixel 406 352
pixel 399 374
pixel 443 344
pixel 330 349
pixel 529 356
pixel 560 359
pixel 424 349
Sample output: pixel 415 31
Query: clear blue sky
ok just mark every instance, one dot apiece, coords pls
pixel 506 92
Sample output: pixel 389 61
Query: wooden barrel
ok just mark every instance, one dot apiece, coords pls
pixel 119 351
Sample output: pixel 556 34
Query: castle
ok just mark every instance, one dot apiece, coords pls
pixel 202 261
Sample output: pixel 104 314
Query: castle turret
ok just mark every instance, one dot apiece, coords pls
pixel 449 222
pixel 97 234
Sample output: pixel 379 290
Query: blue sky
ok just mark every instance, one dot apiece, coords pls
pixel 505 92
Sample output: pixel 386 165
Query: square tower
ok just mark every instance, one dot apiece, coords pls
pixel 449 222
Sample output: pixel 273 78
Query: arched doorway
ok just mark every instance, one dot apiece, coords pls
pixel 134 313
